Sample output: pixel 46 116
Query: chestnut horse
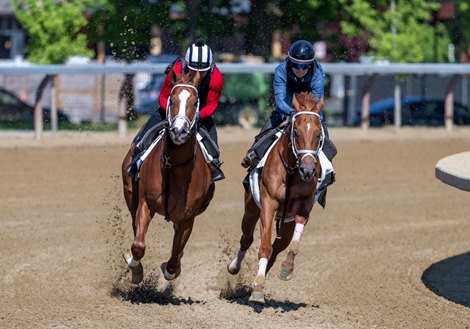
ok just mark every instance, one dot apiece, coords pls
pixel 288 186
pixel 174 179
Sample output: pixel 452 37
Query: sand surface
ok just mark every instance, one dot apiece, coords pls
pixel 391 249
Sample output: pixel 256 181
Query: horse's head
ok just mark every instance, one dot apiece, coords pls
pixel 183 106
pixel 306 134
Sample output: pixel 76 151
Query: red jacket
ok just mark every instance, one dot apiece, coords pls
pixel 209 105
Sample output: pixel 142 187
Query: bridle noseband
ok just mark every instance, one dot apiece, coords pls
pixel 300 154
pixel 171 120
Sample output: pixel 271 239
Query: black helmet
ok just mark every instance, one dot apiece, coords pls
pixel 301 52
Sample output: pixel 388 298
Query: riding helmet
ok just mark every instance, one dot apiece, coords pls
pixel 199 56
pixel 301 52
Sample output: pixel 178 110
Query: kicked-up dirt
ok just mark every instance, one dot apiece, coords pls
pixel 391 249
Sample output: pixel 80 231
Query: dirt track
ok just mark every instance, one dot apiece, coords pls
pixel 362 262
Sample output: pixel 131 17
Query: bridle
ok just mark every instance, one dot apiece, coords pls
pixel 300 154
pixel 165 156
pixel 171 120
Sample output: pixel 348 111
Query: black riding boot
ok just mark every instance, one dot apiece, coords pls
pixel 209 139
pixel 261 144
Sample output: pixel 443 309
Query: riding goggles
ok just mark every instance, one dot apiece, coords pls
pixel 298 66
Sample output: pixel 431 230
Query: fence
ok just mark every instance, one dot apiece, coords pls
pixel 90 91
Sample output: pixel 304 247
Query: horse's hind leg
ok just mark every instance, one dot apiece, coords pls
pixel 286 271
pixel 250 218
pixel 172 269
pixel 129 188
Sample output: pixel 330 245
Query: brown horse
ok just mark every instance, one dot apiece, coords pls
pixel 174 179
pixel 288 186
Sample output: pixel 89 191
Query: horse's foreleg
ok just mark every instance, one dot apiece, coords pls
pixel 281 244
pixel 265 250
pixel 250 218
pixel 172 269
pixel 287 267
pixel 142 221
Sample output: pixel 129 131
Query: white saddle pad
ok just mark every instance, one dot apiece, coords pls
pixel 206 154
pixel 326 166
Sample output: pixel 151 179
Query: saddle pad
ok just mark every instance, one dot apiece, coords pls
pixel 255 175
pixel 207 156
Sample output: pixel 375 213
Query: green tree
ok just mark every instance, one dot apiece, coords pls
pixel 54 29
pixel 403 34
pixel 460 29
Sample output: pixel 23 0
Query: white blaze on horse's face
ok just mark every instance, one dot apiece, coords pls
pixel 307 141
pixel 180 125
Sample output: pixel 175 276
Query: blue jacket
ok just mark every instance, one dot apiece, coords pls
pixel 283 94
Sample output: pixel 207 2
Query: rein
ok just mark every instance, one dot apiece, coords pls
pixel 165 160
pixel 290 170
pixel 167 165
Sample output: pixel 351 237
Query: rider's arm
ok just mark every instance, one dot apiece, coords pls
pixel 318 88
pixel 167 85
pixel 280 90
pixel 215 89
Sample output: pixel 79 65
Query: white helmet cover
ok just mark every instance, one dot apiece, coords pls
pixel 199 56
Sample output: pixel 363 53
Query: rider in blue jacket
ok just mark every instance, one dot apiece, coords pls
pixel 299 72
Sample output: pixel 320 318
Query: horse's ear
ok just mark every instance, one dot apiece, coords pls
pixel 319 105
pixel 197 78
pixel 295 102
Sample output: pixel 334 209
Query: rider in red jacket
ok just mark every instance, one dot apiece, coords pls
pixel 198 58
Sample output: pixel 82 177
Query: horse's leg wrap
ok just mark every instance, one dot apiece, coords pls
pixel 260 277
pixel 258 285
pixel 287 267
pixel 235 265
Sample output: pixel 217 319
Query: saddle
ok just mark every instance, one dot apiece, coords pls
pixel 327 177
pixel 209 148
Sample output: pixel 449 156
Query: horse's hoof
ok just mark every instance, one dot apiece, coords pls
pixel 169 276
pixel 232 267
pixel 257 297
pixel 137 272
pixel 285 274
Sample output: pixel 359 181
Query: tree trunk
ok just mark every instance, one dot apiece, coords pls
pixel 38 114
pixel 126 103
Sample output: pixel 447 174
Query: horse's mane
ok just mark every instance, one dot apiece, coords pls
pixel 184 78
pixel 306 99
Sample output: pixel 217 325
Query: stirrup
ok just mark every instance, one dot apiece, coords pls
pixel 246 163
pixel 250 159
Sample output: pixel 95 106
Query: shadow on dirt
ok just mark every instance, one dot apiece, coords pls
pixel 449 279
pixel 148 292
pixel 240 293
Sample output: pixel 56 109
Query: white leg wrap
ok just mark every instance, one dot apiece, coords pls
pixel 133 263
pixel 299 228
pixel 237 261
pixel 169 276
pixel 263 263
